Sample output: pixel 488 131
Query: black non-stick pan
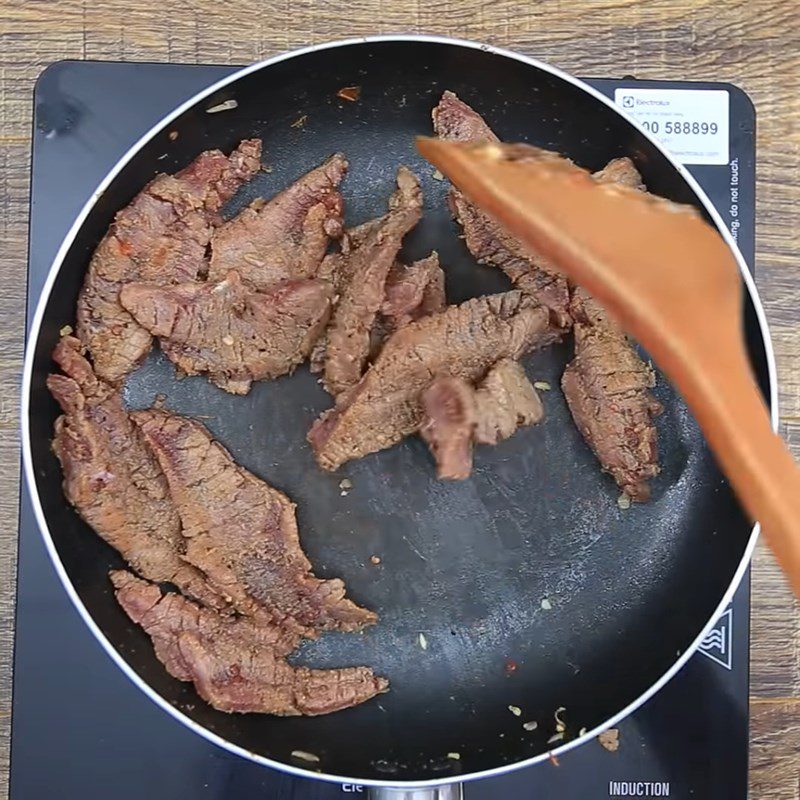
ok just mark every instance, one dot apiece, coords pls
pixel 532 588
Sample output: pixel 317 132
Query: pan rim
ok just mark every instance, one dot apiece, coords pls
pixel 35 328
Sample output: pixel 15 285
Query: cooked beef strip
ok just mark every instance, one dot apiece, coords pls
pixel 369 262
pixel 413 291
pixel 607 387
pixel 486 239
pixel 622 171
pixel 160 237
pixel 285 238
pixel 448 424
pixel 337 267
pixel 462 341
pixel 504 401
pixel 454 119
pixel 234 334
pixel 455 414
pixel 243 533
pixel 607 384
pixel 238 665
pixel 112 478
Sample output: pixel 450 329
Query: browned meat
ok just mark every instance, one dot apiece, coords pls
pixel 237 665
pixel 454 119
pixel 622 171
pixel 337 268
pixel 160 237
pixel 234 334
pixel 462 341
pixel 455 415
pixel 607 387
pixel 112 478
pixel 490 244
pixel 369 260
pixel 607 384
pixel 285 238
pixel 448 425
pixel 413 291
pixel 485 239
pixel 504 401
pixel 243 533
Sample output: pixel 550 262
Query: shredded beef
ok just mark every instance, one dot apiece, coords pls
pixel 112 478
pixel 462 341
pixel 230 332
pixel 238 665
pixel 243 533
pixel 285 238
pixel 161 237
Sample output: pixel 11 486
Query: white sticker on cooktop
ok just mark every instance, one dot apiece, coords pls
pixel 691 123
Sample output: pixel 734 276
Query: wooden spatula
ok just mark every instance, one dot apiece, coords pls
pixel 671 281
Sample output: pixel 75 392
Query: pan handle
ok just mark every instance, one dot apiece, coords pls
pixel 448 791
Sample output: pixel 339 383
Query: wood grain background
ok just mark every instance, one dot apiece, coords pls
pixel 753 43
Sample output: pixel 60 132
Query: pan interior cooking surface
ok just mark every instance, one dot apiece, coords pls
pixel 525 587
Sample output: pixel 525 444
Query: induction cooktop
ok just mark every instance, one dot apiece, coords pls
pixel 81 729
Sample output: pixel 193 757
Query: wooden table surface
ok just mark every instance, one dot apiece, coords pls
pixel 753 43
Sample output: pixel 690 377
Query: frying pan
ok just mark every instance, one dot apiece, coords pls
pixel 532 588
